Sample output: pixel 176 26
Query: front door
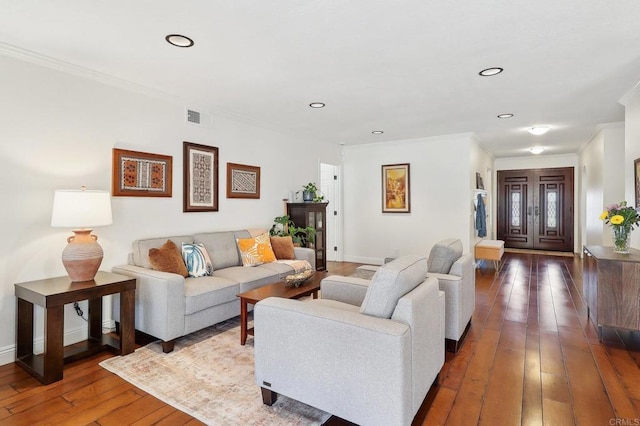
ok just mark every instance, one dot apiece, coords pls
pixel 535 208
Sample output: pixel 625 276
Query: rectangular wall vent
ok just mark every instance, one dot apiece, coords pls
pixel 193 116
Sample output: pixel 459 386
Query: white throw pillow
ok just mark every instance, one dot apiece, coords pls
pixel 392 281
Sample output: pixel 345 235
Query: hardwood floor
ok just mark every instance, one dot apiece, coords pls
pixel 531 357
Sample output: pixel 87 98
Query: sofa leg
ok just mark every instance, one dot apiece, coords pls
pixel 268 396
pixel 454 345
pixel 168 346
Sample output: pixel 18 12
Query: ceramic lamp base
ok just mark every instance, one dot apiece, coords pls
pixel 82 256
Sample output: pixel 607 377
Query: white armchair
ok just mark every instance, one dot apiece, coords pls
pixel 456 277
pixel 371 364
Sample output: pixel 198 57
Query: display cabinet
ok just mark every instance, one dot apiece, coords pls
pixel 312 214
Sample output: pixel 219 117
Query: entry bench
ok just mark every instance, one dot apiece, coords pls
pixel 490 250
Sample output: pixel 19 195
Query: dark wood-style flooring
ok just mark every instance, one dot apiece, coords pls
pixel 531 357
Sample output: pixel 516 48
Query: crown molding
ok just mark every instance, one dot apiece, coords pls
pixel 630 94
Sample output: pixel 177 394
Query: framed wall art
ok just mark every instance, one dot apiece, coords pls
pixel 396 188
pixel 243 181
pixel 140 174
pixel 636 175
pixel 200 178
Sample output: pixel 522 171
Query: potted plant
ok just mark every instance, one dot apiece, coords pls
pixel 309 192
pixel 284 227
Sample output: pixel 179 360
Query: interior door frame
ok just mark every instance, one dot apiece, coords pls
pixel 539 181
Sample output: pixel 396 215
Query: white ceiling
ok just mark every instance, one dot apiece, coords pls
pixel 408 67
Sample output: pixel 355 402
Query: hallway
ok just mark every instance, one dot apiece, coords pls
pixel 532 357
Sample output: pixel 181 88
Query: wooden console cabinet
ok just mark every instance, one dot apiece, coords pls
pixel 312 214
pixel 612 287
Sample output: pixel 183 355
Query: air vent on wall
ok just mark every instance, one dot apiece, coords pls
pixel 193 116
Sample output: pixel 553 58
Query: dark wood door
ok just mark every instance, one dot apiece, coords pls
pixel 535 208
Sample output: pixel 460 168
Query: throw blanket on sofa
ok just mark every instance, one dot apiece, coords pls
pixel 297 265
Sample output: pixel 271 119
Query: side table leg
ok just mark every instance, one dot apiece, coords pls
pixel 24 329
pixel 243 321
pixel 127 320
pixel 53 344
pixel 95 319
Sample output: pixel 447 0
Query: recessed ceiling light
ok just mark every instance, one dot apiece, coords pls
pixel 505 116
pixel 179 40
pixel 316 105
pixel 536 150
pixel 538 130
pixel 490 71
pixel 377 132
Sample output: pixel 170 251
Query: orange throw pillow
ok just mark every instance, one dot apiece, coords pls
pixel 256 251
pixel 283 248
pixel 168 258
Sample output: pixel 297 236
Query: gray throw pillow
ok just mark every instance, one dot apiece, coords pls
pixel 443 255
pixel 392 281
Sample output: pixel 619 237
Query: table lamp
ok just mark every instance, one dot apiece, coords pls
pixel 81 210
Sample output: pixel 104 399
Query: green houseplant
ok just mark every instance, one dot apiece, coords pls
pixel 310 193
pixel 284 227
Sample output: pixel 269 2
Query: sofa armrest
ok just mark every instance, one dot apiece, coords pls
pixel 160 301
pixel 351 290
pixel 304 253
pixel 318 354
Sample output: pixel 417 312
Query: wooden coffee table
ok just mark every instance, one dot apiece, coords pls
pixel 279 289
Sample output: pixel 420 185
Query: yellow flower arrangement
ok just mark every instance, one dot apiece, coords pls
pixel 622 219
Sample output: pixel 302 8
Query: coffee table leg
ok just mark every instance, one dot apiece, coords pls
pixel 243 321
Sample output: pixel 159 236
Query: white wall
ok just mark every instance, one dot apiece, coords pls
pixel 544 162
pixel 600 162
pixel 58 131
pixel 632 149
pixel 441 197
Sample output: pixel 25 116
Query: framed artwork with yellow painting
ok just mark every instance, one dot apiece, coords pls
pixel 396 189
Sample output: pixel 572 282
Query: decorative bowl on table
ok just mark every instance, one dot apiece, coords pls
pixel 296 280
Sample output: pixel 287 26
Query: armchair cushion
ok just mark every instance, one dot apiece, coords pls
pixel 443 255
pixel 392 281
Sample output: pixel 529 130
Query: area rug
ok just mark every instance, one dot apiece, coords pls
pixel 210 376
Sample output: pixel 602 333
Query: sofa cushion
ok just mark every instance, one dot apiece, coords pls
pixel 168 259
pixel 221 247
pixel 196 260
pixel 443 255
pixel 205 292
pixel 141 248
pixel 256 251
pixel 247 278
pixel 392 281
pixel 283 247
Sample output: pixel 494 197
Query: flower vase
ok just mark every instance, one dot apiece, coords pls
pixel 621 236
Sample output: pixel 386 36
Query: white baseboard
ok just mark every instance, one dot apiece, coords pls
pixel 365 260
pixel 8 353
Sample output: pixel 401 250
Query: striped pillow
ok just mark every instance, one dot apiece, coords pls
pixel 196 259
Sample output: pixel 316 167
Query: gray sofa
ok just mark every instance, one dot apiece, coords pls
pixel 369 359
pixel 169 305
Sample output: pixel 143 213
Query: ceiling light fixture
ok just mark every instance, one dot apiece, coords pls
pixel 505 116
pixel 538 130
pixel 377 132
pixel 179 40
pixel 536 150
pixel 491 71
pixel 316 105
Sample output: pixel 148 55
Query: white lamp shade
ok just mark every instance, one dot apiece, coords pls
pixel 81 208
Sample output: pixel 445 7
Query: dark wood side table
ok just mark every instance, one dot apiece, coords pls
pixel 52 294
pixel 279 289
